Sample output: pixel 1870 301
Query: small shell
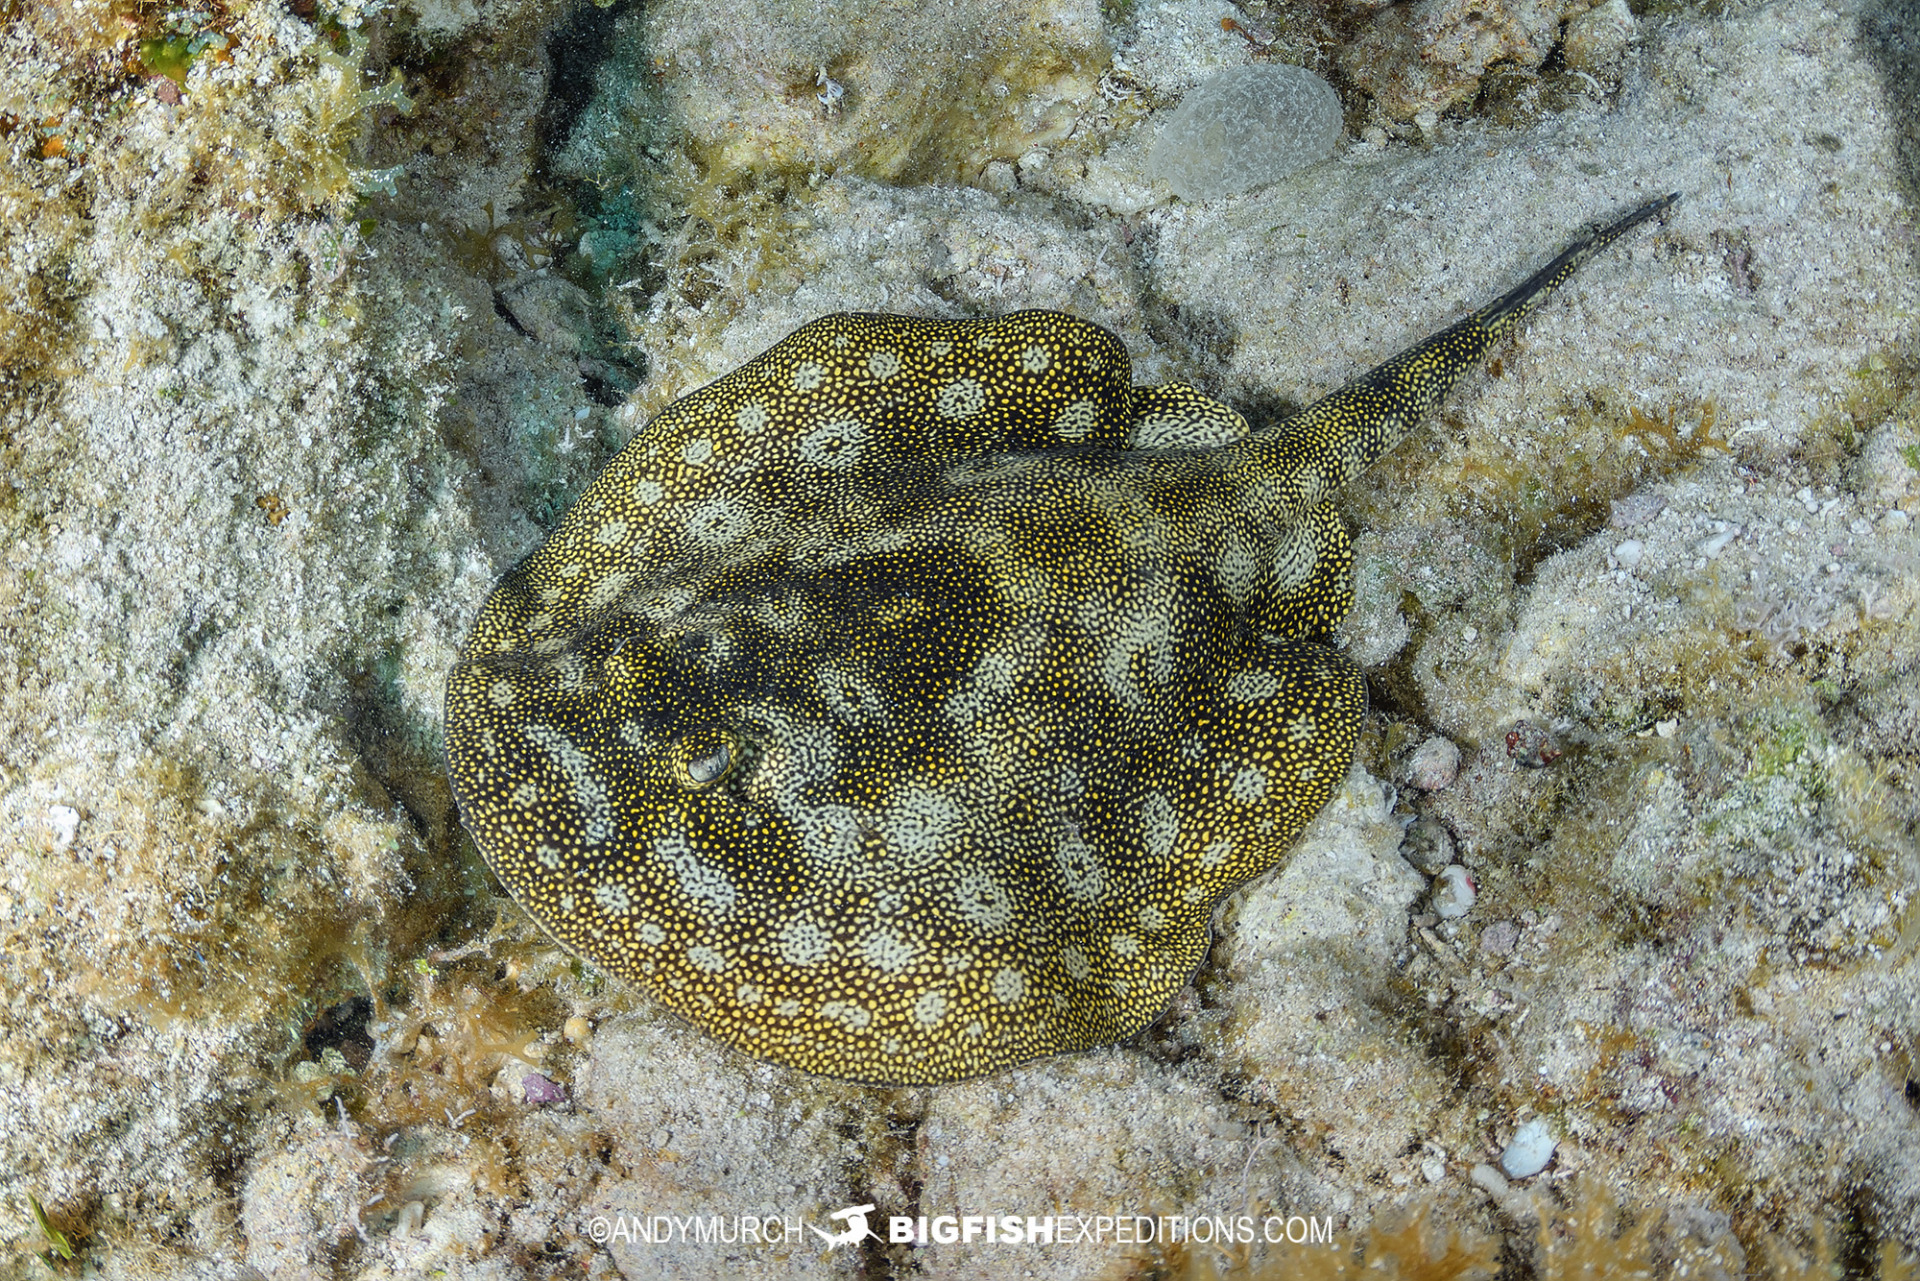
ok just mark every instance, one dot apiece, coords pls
pixel 1434 764
pixel 1428 846
pixel 1453 892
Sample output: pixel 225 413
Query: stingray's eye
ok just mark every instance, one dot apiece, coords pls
pixel 704 757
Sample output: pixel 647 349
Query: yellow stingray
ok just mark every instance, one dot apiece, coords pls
pixel 899 706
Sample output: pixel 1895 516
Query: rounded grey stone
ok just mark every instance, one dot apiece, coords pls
pixel 1244 128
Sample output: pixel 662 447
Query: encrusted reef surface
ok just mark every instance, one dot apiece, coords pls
pixel 313 318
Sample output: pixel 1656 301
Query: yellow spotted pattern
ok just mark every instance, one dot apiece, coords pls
pixel 900 706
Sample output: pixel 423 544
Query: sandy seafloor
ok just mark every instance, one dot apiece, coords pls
pixel 292 375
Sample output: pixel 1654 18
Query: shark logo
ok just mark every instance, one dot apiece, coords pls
pixel 855 1217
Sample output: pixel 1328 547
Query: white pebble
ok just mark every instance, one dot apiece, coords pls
pixel 1627 555
pixel 1531 1149
pixel 65 821
pixel 1453 892
pixel 1712 547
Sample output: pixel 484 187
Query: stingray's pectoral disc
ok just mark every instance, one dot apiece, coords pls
pixel 903 764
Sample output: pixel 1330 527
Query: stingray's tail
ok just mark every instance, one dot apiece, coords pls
pixel 1351 428
pixel 1496 318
